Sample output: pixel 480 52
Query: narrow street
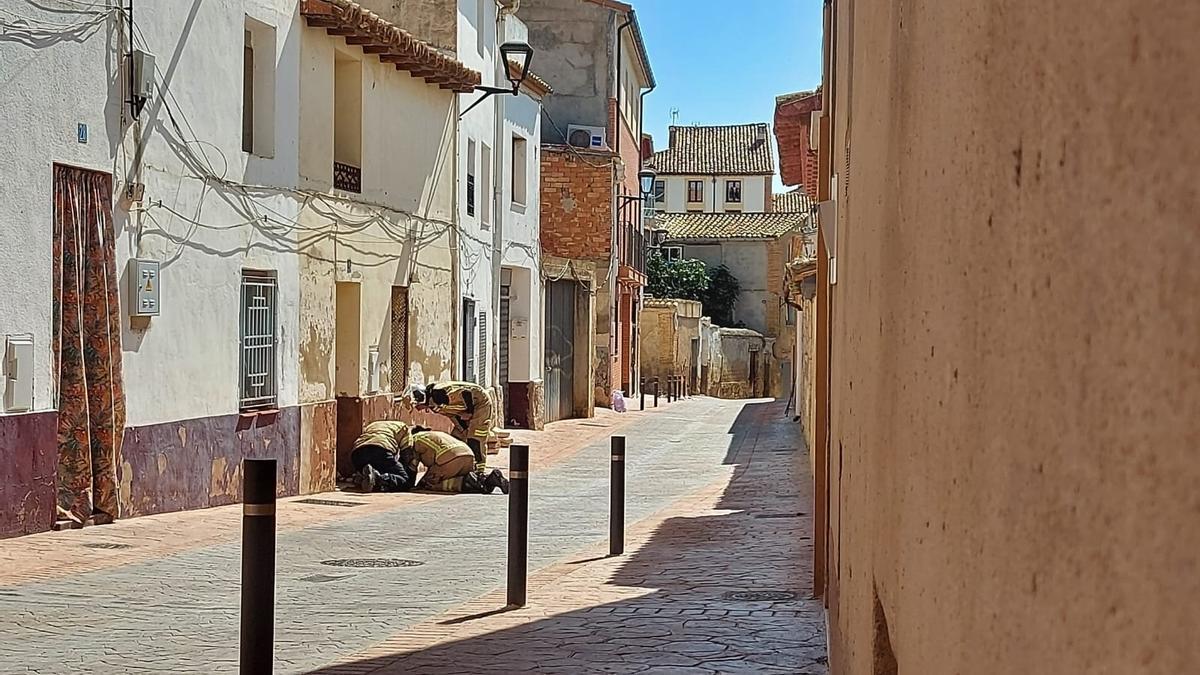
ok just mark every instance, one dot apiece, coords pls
pixel 718 505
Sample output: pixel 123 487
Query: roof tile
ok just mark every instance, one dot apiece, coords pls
pixel 793 201
pixel 730 225
pixel 740 149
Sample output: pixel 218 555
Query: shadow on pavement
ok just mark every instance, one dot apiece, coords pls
pixel 725 591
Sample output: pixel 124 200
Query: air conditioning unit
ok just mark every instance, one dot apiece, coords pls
pixel 580 136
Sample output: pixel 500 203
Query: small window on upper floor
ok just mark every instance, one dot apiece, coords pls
pixel 695 192
pixel 520 171
pixel 733 191
pixel 347 123
pixel 258 88
pixel 471 177
pixel 660 193
pixel 485 182
pixel 672 253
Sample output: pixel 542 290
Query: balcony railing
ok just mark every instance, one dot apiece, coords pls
pixel 631 246
pixel 347 177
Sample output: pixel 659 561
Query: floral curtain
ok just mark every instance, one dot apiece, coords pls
pixel 87 346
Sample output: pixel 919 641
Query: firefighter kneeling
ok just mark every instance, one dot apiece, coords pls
pixel 467 405
pixel 449 465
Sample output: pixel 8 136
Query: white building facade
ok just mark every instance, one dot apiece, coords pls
pixel 223 253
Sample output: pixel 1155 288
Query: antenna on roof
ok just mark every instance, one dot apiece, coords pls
pixel 674 116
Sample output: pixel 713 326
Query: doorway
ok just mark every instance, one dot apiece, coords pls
pixel 560 350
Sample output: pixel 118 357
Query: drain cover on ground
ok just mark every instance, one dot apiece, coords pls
pixel 779 515
pixel 372 562
pixel 760 596
pixel 107 545
pixel 328 502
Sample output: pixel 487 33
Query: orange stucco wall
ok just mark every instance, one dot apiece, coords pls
pixel 1015 331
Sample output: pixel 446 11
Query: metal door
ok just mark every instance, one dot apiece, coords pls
pixel 560 354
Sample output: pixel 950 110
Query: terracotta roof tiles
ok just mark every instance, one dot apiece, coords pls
pixel 730 225
pixel 793 201
pixel 740 149
pixel 392 44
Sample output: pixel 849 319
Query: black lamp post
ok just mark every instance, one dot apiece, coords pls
pixel 646 179
pixel 518 54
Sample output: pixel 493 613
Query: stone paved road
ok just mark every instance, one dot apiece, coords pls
pixel 701 475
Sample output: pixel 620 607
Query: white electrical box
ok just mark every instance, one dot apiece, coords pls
pixel 143 75
pixel 144 287
pixel 18 373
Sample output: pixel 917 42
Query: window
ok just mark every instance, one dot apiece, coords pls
pixel 347 123
pixel 672 253
pixel 733 191
pixel 468 340
pixel 481 22
pixel 695 191
pixel 485 171
pixel 471 177
pixel 520 163
pixel 258 88
pixel 660 193
pixel 257 362
pixel 481 359
pixel 399 339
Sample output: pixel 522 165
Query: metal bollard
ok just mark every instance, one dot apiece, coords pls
pixel 642 392
pixel 258 567
pixel 616 515
pixel 656 392
pixel 518 524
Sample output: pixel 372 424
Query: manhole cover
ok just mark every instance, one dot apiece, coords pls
pixel 325 578
pixel 760 596
pixel 107 545
pixel 372 562
pixel 779 515
pixel 328 502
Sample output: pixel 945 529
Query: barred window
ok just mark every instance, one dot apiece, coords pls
pixel 258 342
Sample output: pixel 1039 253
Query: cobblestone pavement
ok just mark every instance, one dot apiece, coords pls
pixel 717 501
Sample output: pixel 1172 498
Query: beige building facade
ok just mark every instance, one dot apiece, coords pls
pixel 1008 337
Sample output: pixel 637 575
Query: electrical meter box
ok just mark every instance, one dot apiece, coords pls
pixel 144 287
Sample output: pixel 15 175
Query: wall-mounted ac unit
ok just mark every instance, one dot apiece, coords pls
pixel 581 136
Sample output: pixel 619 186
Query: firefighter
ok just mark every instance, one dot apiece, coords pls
pixel 468 406
pixel 377 454
pixel 450 465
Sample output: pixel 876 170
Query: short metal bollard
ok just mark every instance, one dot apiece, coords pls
pixel 656 392
pixel 616 516
pixel 642 392
pixel 258 567
pixel 518 524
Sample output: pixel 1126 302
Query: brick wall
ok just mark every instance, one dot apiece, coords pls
pixel 576 203
pixel 797 158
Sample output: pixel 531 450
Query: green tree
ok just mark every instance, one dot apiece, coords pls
pixel 720 297
pixel 683 279
pixel 717 289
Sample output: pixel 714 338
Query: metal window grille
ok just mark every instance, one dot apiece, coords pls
pixel 399 339
pixel 258 342
pixel 470 194
pixel 481 369
pixel 468 340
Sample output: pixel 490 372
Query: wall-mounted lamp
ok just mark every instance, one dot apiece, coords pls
pixel 520 54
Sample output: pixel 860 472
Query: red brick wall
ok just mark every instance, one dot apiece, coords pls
pixel 576 203
pixel 797 159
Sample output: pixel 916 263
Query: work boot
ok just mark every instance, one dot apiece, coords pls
pixel 495 479
pixel 474 483
pixel 367 478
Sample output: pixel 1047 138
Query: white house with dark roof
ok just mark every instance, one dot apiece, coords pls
pixel 718 169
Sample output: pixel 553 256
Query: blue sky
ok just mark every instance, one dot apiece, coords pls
pixel 725 61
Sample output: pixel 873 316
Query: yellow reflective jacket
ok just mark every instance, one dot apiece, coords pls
pixel 387 434
pixel 432 448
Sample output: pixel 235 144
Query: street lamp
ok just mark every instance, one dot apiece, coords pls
pixel 519 54
pixel 646 177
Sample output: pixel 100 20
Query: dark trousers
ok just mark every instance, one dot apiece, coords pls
pixel 393 477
